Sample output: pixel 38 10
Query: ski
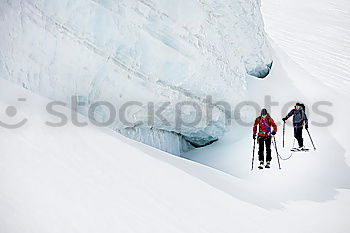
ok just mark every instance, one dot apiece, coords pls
pixel 299 150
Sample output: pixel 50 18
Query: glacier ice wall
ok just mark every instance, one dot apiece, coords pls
pixel 149 51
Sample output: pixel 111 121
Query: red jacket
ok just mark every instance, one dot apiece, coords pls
pixel 264 126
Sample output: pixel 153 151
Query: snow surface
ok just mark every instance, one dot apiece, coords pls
pixel 92 180
pixel 139 50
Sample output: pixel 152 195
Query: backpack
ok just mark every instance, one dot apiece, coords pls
pixel 302 107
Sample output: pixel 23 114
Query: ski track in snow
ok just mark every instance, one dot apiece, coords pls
pixel 316 35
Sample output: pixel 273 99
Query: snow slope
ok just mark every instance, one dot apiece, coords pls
pixel 87 179
pixel 321 45
pixel 73 179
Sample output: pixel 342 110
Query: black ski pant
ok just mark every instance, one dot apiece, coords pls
pixel 267 142
pixel 298 134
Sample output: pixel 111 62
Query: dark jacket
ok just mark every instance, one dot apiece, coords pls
pixel 299 117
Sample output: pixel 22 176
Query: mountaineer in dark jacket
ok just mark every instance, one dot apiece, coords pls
pixel 299 121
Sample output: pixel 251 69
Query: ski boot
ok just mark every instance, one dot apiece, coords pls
pixel 261 165
pixel 267 164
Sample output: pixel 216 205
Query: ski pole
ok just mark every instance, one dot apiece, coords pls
pixel 278 159
pixel 253 155
pixel 284 130
pixel 311 139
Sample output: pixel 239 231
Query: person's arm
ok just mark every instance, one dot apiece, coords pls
pixel 255 127
pixel 274 126
pixel 289 115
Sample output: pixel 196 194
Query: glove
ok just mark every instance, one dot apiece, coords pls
pixel 254 136
pixel 284 119
pixel 273 133
pixel 306 126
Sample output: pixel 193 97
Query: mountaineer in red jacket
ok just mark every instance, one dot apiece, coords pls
pixel 265 123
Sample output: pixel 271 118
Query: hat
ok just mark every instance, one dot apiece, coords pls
pixel 263 111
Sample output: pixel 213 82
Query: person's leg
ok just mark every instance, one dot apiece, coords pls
pixel 268 149
pixel 299 136
pixel 296 133
pixel 261 148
